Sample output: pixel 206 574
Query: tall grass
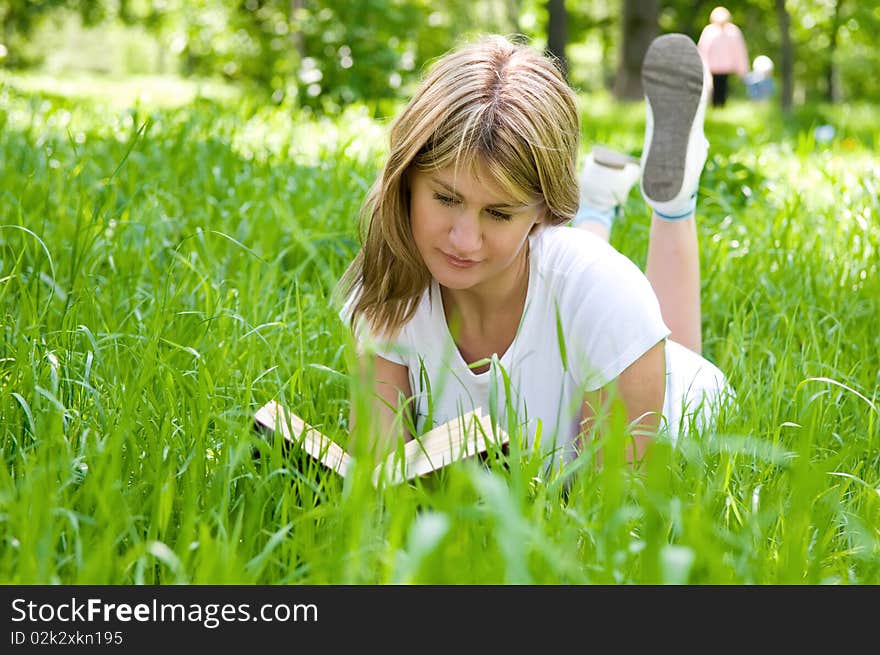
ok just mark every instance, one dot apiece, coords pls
pixel 165 271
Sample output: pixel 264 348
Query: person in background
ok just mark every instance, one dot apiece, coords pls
pixel 724 50
pixel 759 82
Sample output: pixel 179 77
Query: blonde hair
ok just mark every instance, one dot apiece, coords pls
pixel 492 101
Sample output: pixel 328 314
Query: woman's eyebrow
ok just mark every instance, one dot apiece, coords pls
pixel 498 205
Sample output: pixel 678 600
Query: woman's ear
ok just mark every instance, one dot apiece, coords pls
pixel 541 218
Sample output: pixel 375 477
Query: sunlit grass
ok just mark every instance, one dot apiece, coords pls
pixel 166 270
pixel 122 92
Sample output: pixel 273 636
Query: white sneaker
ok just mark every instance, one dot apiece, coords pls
pixel 676 84
pixel 606 179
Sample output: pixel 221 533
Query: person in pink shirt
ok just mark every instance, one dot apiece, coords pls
pixel 724 50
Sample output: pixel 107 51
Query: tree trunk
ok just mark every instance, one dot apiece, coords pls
pixel 831 90
pixel 638 28
pixel 606 38
pixel 557 32
pixel 296 37
pixel 513 10
pixel 786 56
pixel 8 21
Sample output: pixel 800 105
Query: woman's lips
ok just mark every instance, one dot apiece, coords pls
pixel 457 262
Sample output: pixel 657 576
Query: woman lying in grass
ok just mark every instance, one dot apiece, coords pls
pixel 471 284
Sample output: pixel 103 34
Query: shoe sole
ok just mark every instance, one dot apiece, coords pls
pixel 612 158
pixel 673 81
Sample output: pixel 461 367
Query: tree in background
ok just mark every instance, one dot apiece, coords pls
pixel 557 32
pixel 831 90
pixel 328 53
pixel 638 29
pixel 324 54
pixel 19 18
pixel 688 17
pixel 786 55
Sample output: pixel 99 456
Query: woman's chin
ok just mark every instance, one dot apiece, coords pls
pixel 452 276
pixel 455 280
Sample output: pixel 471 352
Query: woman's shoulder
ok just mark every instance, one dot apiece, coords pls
pixel 568 250
pixel 422 320
pixel 564 240
pixel 574 265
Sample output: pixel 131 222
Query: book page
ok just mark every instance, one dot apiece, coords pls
pixel 294 429
pixel 458 439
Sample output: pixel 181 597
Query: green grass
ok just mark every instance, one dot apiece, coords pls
pixel 166 270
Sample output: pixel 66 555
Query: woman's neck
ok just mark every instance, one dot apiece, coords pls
pixel 480 307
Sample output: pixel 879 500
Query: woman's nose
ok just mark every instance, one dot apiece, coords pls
pixel 465 235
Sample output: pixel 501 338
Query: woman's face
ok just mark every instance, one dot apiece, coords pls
pixel 469 233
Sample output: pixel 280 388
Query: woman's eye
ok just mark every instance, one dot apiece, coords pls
pixel 446 200
pixel 501 216
pixel 451 202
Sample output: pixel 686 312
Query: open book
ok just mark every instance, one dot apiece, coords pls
pixel 462 438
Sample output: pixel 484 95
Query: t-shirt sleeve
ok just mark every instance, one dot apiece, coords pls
pixel 615 319
pixel 392 350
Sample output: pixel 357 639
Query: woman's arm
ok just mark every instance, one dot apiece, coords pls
pixel 641 387
pixel 387 384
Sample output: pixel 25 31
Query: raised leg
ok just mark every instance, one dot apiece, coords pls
pixel 673 268
pixel 676 85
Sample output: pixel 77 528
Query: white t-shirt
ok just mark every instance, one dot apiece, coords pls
pixel 589 313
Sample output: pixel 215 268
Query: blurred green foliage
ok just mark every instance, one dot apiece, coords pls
pixel 326 54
